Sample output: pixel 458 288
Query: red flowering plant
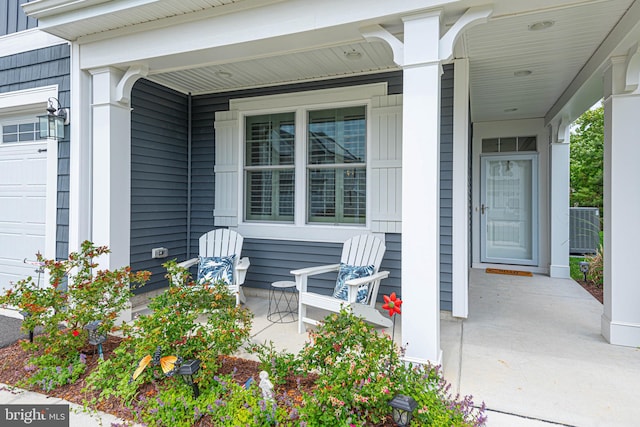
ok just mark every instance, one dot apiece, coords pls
pixel 77 293
pixel 392 304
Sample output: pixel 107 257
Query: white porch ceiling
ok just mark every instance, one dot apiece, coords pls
pixel 505 45
pixel 496 49
pixel 333 62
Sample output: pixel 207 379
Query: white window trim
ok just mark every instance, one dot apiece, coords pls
pixel 300 103
pixel 16 105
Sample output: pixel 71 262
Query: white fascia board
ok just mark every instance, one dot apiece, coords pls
pixel 24 41
pixel 281 24
pixel 65 11
pixel 587 87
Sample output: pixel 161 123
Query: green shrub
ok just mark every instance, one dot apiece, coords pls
pixel 77 294
pixel 190 322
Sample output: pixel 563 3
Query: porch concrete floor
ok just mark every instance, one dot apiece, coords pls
pixel 531 349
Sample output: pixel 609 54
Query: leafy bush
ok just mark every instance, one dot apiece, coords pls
pixel 279 364
pixel 191 322
pixel 353 363
pixel 77 295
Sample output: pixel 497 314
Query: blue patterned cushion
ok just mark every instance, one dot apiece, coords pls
pixel 348 272
pixel 214 269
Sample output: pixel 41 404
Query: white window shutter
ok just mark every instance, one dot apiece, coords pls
pixel 226 169
pixel 386 164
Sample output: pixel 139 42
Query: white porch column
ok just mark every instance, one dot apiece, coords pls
pixel 460 202
pixel 80 157
pixel 559 201
pixel 420 189
pixel 111 137
pixel 621 318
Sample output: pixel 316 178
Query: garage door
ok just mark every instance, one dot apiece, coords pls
pixel 22 207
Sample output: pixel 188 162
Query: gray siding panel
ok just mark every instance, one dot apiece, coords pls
pixel 446 185
pixel 272 260
pixel 43 67
pixel 13 19
pixel 158 177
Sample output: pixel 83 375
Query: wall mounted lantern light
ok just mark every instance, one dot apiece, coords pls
pixel 52 124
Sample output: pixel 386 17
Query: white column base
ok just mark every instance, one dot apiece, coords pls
pixel 617 333
pixel 560 271
pixel 418 361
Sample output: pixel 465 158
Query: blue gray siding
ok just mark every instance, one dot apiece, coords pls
pixel 159 136
pixel 271 260
pixel 36 68
pixel 13 19
pixel 446 187
pixel 204 109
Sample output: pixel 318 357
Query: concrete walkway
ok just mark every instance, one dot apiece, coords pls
pixel 531 349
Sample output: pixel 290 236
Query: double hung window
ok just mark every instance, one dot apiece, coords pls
pixel 320 171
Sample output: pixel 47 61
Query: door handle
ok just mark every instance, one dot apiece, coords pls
pixel 483 208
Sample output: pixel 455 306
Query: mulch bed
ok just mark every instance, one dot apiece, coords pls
pixel 13 359
pixel 594 289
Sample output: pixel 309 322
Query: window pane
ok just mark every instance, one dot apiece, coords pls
pixel 270 195
pixel 490 145
pixel 270 139
pixel 337 136
pixel 11 137
pixel 507 144
pixel 527 143
pixel 322 196
pixel 27 127
pixel 354 195
pixel 337 196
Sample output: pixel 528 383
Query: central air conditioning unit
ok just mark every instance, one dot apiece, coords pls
pixel 584 230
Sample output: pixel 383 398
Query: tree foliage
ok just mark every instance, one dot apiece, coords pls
pixel 587 161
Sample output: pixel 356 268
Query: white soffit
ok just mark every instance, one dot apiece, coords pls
pixel 554 56
pixel 301 66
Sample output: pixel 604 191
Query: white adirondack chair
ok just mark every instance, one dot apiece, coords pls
pixel 358 251
pixel 219 243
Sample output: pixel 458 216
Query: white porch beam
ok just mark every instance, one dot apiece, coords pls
pixel 559 200
pixel 295 25
pixel 621 317
pixel 420 189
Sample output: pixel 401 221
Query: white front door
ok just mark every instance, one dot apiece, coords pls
pixel 23 185
pixel 508 212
